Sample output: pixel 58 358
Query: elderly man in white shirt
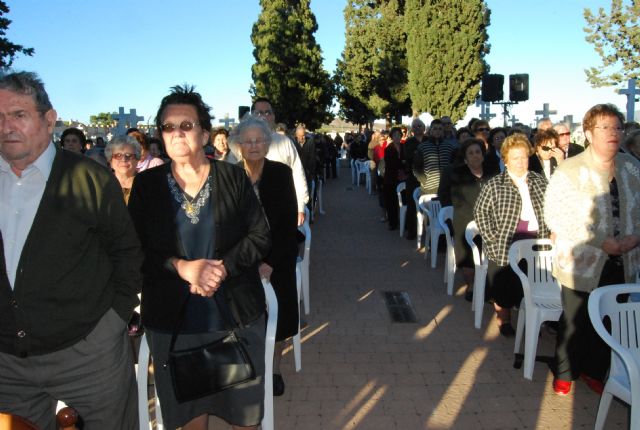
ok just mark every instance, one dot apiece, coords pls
pixel 283 150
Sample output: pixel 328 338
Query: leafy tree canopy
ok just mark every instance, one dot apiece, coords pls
pixel 9 50
pixel 103 119
pixel 616 38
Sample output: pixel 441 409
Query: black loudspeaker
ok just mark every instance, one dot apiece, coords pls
pixel 492 88
pixel 242 110
pixel 519 87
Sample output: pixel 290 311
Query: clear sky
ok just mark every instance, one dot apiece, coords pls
pixel 95 56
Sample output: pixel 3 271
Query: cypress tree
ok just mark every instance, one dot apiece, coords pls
pixel 371 74
pixel 288 63
pixel 446 45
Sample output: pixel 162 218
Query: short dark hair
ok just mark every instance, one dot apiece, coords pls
pixel 185 95
pixel 495 131
pixel 76 132
pixel 258 100
pixel 542 136
pixel 27 83
pixel 465 145
pixel 604 109
pixel 395 129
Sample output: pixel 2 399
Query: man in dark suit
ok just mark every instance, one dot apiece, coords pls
pixel 569 148
pixel 69 272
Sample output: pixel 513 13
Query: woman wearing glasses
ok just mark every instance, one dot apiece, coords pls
pixel 547 155
pixel 509 208
pixel 204 234
pixel 123 153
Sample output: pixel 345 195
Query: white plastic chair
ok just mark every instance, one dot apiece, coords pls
pixel 541 301
pixel 624 375
pixel 362 167
pixel 270 341
pixel 144 360
pixel 403 208
pixel 430 208
pixel 303 264
pixel 422 218
pixel 446 214
pixel 480 264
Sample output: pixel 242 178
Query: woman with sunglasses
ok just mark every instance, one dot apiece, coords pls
pixel 203 234
pixel 547 155
pixel 123 153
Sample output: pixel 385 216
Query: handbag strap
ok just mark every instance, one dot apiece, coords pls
pixel 223 307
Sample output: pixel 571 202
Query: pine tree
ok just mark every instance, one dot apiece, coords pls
pixel 288 63
pixel 616 39
pixel 446 45
pixel 8 50
pixel 371 75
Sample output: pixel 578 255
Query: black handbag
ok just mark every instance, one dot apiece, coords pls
pixel 211 368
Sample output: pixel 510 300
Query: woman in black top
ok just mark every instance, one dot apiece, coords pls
pixel 460 188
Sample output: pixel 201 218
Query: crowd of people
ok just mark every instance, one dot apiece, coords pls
pixel 517 183
pixel 196 217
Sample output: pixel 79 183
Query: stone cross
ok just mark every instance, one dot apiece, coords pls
pixel 485 110
pixel 125 121
pixel 631 91
pixel 513 120
pixel 568 119
pixel 546 112
pixel 227 121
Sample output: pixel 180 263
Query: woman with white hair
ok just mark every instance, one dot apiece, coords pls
pixel 123 154
pixel 273 184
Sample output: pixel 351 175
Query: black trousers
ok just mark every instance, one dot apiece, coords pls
pixel 579 349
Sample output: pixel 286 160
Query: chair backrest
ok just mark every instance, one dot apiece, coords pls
pixel 416 196
pixel 399 189
pixel 445 214
pixel 624 337
pixel 538 284
pixel 433 208
pixel 471 232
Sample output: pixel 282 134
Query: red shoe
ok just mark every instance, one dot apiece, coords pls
pixel 595 385
pixel 561 387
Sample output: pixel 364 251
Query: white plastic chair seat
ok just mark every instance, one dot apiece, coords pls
pixel 446 214
pixel 362 168
pixel 541 301
pixel 480 264
pixel 402 186
pixel 624 340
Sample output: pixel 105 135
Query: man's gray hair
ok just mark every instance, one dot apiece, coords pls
pixel 28 84
pixel 120 141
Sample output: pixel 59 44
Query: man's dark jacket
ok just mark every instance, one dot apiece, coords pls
pixel 81 257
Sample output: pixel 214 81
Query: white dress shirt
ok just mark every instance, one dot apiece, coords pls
pixel 283 150
pixel 19 201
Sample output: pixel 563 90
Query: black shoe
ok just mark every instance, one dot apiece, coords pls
pixel 278 385
pixel 468 295
pixel 506 330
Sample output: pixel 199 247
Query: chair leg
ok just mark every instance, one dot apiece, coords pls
pixel 305 283
pixel 403 217
pixel 478 297
pixel 297 351
pixel 142 380
pixel 603 409
pixel 434 249
pixel 531 332
pixel 419 226
pixel 520 327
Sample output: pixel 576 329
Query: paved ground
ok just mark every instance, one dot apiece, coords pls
pixel 361 371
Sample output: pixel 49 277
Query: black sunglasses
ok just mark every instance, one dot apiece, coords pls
pixel 184 126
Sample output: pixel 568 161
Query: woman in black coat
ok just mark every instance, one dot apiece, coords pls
pixel 273 184
pixel 460 187
pixel 394 173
